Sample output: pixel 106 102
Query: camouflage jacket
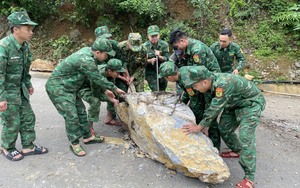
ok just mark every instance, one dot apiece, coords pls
pixel 115 47
pixel 161 46
pixel 197 53
pixel 230 91
pixel 73 71
pixel 98 91
pixel 226 56
pixel 189 92
pixel 15 62
pixel 134 61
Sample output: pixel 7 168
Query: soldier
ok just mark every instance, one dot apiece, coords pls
pixel 63 86
pixel 242 104
pixel 94 95
pixel 158 52
pixel 86 91
pixel 15 87
pixel 196 53
pixel 179 60
pixel 103 31
pixel 226 52
pixel 134 57
pixel 171 73
pixel 111 71
pixel 191 52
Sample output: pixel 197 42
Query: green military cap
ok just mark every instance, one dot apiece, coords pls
pixel 135 42
pixel 153 30
pixel 20 18
pixel 116 65
pixel 168 68
pixel 103 45
pixel 102 31
pixel 197 73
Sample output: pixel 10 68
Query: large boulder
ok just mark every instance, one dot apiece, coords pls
pixel 154 121
pixel 41 65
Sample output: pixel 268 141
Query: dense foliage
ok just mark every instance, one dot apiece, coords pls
pixel 38 9
pixel 266 28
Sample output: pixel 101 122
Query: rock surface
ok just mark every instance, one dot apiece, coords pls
pixel 154 121
pixel 41 65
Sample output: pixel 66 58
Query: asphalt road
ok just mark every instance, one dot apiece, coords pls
pixel 114 165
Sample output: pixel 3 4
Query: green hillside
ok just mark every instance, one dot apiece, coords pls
pixel 268 31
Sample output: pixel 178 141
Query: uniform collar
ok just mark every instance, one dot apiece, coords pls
pixel 189 46
pixel 15 42
pixel 212 88
pixel 225 49
pixel 155 46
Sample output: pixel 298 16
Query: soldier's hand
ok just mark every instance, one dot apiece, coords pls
pixel 109 94
pixel 191 128
pixel 157 52
pixel 152 60
pixel 31 90
pixel 120 91
pixel 123 78
pixel 130 80
pixel 235 71
pixel 205 131
pixel 115 102
pixel 3 106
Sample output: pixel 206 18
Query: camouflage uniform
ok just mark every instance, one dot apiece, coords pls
pixel 226 56
pixel 98 92
pixel 179 59
pixel 103 32
pixel 150 72
pixel 66 80
pixel 196 54
pixel 242 104
pixel 85 92
pixel 196 98
pixel 15 81
pixel 134 57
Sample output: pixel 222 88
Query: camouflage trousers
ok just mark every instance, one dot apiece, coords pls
pixel 151 78
pixel 94 103
pixel 198 104
pixel 18 119
pixel 71 107
pixel 247 119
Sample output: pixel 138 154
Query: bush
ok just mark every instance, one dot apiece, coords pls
pixel 37 9
pixel 289 18
pixel 61 47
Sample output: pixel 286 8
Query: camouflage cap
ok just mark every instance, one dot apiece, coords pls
pixel 102 31
pixel 168 68
pixel 197 73
pixel 116 65
pixel 135 42
pixel 20 18
pixel 103 45
pixel 153 30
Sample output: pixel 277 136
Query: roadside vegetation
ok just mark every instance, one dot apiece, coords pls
pixel 267 31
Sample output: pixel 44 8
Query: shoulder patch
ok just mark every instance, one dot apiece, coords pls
pixel 196 58
pixel 190 91
pixel 219 92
